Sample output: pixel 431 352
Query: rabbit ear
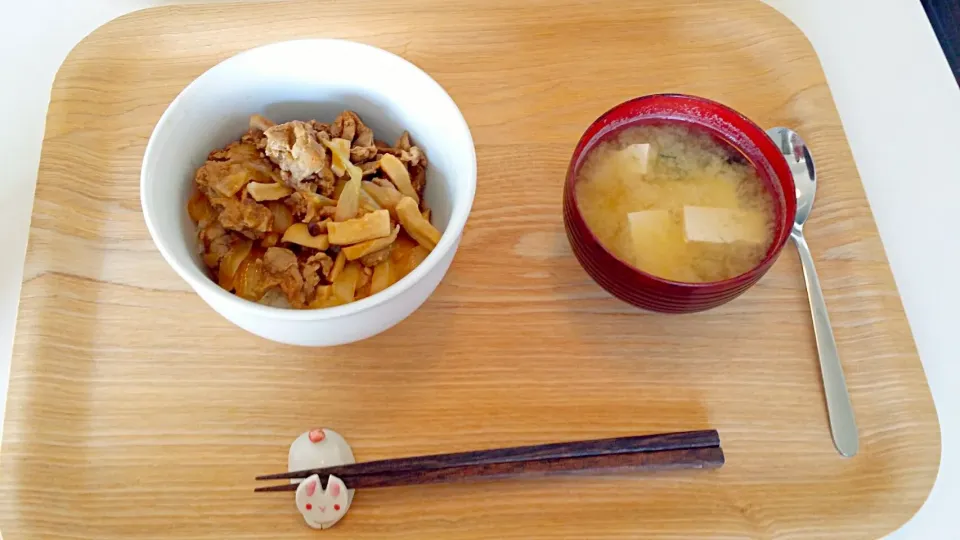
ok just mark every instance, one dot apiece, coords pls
pixel 335 487
pixel 308 488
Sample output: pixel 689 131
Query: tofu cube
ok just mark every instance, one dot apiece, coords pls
pixel 647 223
pixel 723 225
pixel 653 235
pixel 638 157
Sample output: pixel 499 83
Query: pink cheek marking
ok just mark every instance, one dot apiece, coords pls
pixel 336 507
pixel 309 506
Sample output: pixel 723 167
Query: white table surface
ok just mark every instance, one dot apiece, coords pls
pixel 896 95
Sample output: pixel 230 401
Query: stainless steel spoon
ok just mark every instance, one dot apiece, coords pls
pixel 843 425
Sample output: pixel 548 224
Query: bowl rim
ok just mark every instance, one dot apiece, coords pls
pixel 206 285
pixel 581 150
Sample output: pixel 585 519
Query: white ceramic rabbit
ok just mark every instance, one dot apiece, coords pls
pixel 315 449
pixel 322 508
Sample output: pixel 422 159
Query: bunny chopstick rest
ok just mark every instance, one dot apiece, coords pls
pixel 317 449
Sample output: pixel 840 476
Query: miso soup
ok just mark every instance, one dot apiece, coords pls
pixel 676 203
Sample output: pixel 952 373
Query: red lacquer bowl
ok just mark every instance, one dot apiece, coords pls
pixel 640 288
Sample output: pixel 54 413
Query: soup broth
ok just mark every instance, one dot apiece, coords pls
pixel 676 203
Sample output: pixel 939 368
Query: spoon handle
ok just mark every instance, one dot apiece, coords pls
pixel 843 426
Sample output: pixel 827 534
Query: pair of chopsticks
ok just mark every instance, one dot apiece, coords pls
pixel 684 450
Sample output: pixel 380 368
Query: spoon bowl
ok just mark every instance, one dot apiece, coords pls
pixel 798 158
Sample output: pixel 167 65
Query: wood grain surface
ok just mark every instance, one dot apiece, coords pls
pixel 137 412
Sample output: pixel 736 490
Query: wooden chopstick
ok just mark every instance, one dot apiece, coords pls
pixel 597 447
pixel 694 458
pixel 639 452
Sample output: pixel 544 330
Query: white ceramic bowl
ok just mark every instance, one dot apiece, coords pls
pixel 309 79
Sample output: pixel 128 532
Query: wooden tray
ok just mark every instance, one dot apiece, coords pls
pixel 137 412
